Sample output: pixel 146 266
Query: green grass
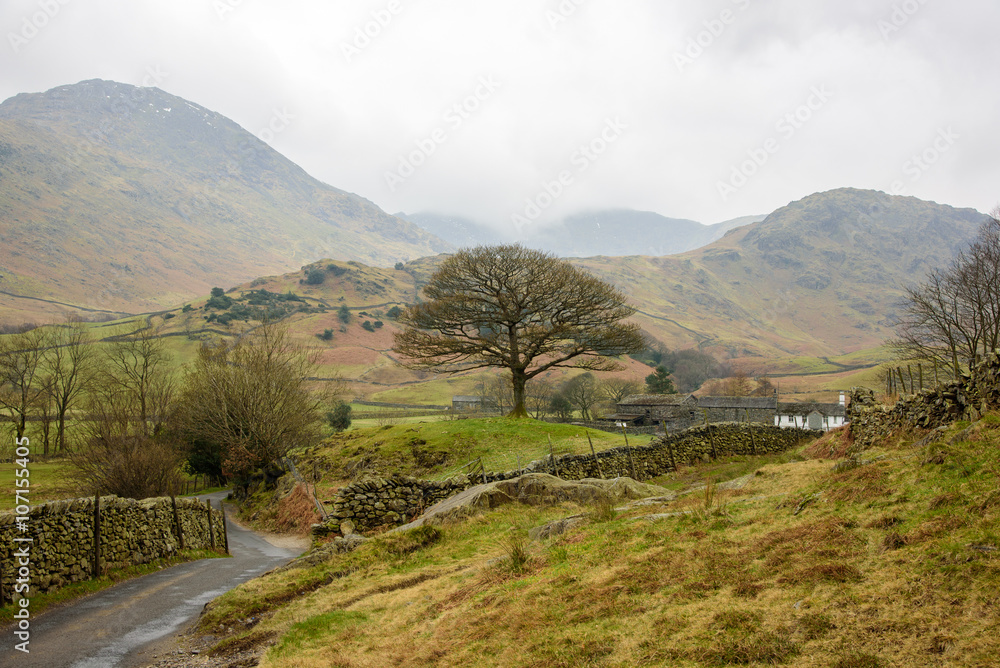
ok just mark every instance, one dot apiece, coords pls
pixel 722 469
pixel 438 448
pixel 41 602
pixel 49 480
pixel 767 580
pixel 52 480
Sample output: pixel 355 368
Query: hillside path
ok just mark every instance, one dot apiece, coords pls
pixel 117 627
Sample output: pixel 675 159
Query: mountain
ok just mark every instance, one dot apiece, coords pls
pixel 460 232
pixel 626 232
pixel 604 232
pixel 822 276
pixel 123 198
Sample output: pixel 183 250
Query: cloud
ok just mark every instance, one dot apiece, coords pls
pixel 366 82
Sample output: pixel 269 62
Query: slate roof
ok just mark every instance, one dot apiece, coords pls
pixel 751 403
pixel 655 400
pixel 807 407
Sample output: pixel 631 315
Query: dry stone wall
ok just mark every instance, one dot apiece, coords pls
pixel 379 502
pixel 132 532
pixel 965 399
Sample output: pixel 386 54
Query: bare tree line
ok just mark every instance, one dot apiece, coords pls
pixel 952 318
pixel 240 406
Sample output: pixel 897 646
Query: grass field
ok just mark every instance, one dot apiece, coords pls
pixel 52 480
pixel 49 481
pixel 890 563
pixel 439 448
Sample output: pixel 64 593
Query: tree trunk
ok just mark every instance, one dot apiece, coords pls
pixel 519 379
pixel 61 433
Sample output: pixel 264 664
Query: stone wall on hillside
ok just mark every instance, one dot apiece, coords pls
pixel 380 502
pixel 606 426
pixel 965 399
pixel 132 532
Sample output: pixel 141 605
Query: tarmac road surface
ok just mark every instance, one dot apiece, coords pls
pixel 110 629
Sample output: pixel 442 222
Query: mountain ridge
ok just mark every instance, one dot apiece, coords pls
pixel 109 192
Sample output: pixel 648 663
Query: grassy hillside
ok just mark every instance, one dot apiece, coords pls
pixel 357 355
pixel 806 296
pixel 892 562
pixel 819 277
pixel 439 449
pixel 128 199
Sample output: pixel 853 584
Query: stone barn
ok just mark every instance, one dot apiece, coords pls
pixel 740 409
pixel 678 411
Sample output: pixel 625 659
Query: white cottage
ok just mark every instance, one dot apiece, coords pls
pixel 812 415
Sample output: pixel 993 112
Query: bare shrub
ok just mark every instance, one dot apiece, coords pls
pixel 131 466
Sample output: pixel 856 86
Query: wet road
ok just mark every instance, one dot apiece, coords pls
pixel 109 629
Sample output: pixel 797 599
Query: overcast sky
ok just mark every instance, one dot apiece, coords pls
pixel 522 111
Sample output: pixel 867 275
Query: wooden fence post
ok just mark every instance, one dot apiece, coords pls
pixel 177 523
pixel 97 534
pixel 711 436
pixel 628 449
pixel 552 455
pixel 753 441
pixel 600 469
pixel 225 528
pixel 211 531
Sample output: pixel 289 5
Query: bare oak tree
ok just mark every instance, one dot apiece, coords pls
pixel 518 309
pixel 616 389
pixel 538 398
pixel 584 393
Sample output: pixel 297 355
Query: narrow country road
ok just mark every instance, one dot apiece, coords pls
pixel 111 628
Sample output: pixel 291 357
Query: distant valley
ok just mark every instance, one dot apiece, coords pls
pixel 612 232
pixel 115 199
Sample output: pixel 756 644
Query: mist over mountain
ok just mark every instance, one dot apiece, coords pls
pixel 606 232
pixel 120 197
